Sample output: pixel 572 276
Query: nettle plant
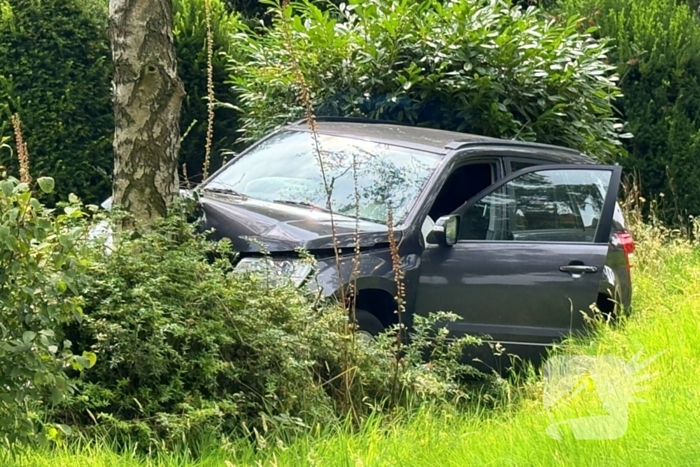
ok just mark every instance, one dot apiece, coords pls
pixel 42 267
pixel 483 67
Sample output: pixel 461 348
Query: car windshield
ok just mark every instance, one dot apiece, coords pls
pixel 285 169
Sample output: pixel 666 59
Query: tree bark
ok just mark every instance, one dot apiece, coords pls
pixel 147 99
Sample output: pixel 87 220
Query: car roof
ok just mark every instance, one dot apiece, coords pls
pixel 430 139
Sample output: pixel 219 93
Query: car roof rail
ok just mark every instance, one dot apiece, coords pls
pixel 461 144
pixel 351 120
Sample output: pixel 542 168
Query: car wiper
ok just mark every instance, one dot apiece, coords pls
pixel 225 191
pixel 302 204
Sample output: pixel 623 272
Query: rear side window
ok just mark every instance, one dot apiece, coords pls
pixel 517 165
pixel 549 205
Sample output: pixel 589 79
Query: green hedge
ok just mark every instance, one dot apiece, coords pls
pixel 55 71
pixel 657 52
pixel 474 66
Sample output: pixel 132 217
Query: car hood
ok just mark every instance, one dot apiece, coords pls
pixel 254 226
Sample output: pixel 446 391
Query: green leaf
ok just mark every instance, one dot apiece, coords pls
pixel 28 336
pixel 46 184
pixel 52 433
pixel 91 358
pixel 7 187
pixel 71 210
pixel 65 241
pixel 20 188
pixel 86 360
pixel 35 204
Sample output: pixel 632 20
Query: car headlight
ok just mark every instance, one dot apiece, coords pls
pixel 276 270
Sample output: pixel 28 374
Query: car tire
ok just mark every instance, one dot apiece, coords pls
pixel 369 327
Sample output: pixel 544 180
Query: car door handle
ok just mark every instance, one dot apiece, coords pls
pixel 578 269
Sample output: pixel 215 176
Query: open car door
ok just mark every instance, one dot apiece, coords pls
pixel 529 256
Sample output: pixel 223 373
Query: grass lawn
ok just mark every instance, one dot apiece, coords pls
pixel 664 430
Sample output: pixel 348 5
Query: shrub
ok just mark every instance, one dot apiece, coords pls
pixel 55 70
pixel 657 53
pixel 42 270
pixel 185 347
pixel 253 9
pixel 473 66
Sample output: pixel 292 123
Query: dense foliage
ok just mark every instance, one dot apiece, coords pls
pixel 186 347
pixel 657 52
pixel 250 9
pixel 254 11
pixel 42 272
pixel 55 71
pixel 477 66
pixel 472 66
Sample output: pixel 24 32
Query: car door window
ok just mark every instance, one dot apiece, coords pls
pixel 516 165
pixel 544 205
pixel 463 183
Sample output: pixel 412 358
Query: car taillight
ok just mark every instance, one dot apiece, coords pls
pixel 627 243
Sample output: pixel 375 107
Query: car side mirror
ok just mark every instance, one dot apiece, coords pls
pixel 445 232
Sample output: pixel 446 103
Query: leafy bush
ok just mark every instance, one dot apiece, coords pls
pixel 42 270
pixel 186 347
pixel 657 53
pixel 473 66
pixel 190 46
pixel 253 9
pixel 55 71
pixel 431 367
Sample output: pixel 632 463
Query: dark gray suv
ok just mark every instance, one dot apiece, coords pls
pixel 518 239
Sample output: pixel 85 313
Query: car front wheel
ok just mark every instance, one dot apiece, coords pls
pixel 368 326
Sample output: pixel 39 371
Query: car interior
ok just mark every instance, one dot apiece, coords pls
pixel 531 210
pixel 463 183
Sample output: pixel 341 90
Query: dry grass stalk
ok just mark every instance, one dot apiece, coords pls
pixel 184 175
pixel 356 257
pixel 400 296
pixel 307 102
pixel 210 91
pixel 22 152
pixel 398 272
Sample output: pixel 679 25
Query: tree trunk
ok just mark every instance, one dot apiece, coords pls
pixel 147 100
